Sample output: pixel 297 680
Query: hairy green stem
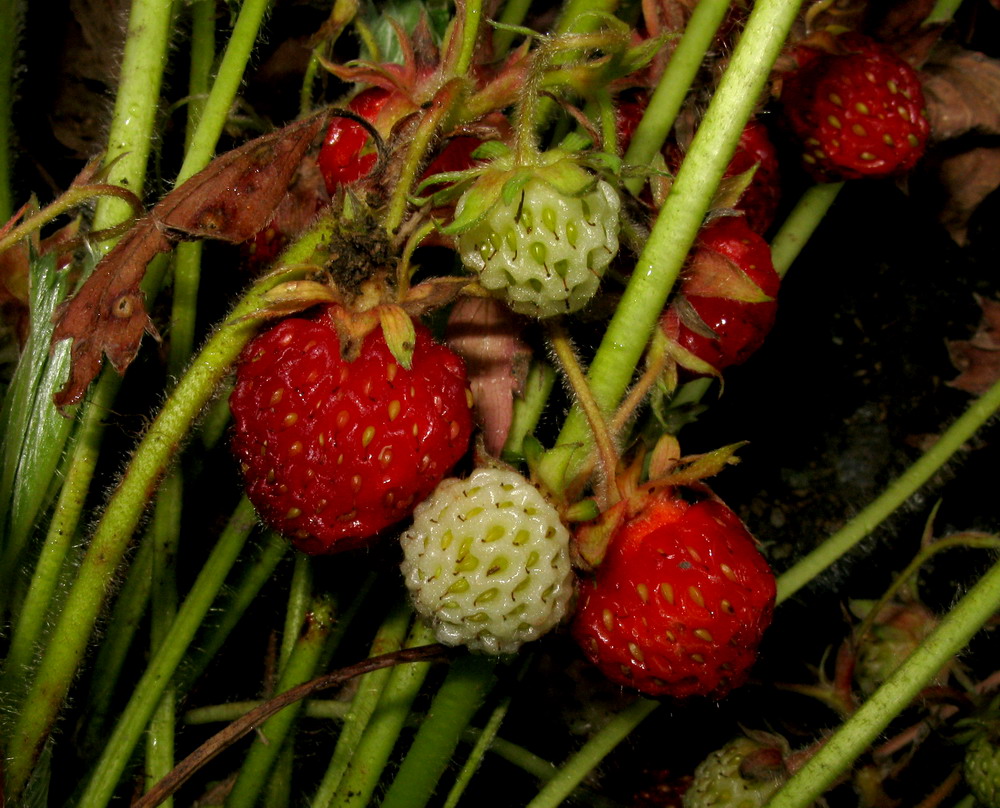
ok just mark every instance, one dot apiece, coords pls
pixel 470 35
pixel 513 14
pixel 529 406
pixel 484 739
pixel 469 680
pixel 801 223
pixel 859 731
pixel 258 572
pixel 147 692
pixel 673 87
pixel 227 82
pixel 131 136
pixel 300 666
pixel 591 754
pixel 375 747
pixel 166 531
pixel 389 637
pixel 894 495
pixel 583 16
pixel 677 224
pixel 117 525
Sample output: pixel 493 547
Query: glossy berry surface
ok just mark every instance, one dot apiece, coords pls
pixel 332 451
pixel 858 112
pixel 342 157
pixel 715 317
pixel 680 602
pixel 487 562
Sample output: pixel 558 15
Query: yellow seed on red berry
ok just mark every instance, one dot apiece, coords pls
pixel 668 592
pixel 636 652
pixel 394 408
pixel 293 513
pixel 695 594
pixel 290 418
pixel 703 634
pixel 367 435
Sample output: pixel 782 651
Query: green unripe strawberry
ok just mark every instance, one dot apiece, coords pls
pixel 744 773
pixel 538 236
pixel 487 562
pixel 982 770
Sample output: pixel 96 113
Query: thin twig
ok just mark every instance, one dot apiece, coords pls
pixel 241 727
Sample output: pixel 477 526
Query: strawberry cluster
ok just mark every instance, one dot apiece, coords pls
pixel 351 422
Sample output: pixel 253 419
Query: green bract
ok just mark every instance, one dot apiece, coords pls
pixel 487 562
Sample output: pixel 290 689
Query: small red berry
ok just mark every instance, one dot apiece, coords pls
pixel 858 112
pixel 726 303
pixel 680 602
pixel 334 451
pixel 340 157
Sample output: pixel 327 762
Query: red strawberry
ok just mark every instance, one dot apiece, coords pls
pixel 726 304
pixel 858 111
pixel 680 601
pixel 759 201
pixel 335 451
pixel 340 157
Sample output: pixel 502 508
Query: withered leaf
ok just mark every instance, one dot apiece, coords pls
pixel 962 89
pixel 978 359
pixel 966 179
pixel 231 199
pixel 236 194
pixel 108 314
pixel 487 335
pixel 715 275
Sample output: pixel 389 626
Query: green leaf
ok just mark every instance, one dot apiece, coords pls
pixel 34 432
pixel 477 201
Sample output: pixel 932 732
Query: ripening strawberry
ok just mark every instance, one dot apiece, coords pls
pixel 333 451
pixel 342 157
pixel 487 562
pixel 982 768
pixel 680 602
pixel 743 773
pixel 858 111
pixel 538 236
pixel 725 305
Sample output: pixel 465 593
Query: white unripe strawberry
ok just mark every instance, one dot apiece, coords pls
pixel 539 236
pixel 487 562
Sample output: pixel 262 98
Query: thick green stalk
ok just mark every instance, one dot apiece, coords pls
pixel 389 637
pixel 375 747
pixel 117 525
pixel 593 752
pixel 166 533
pixel 895 494
pixel 300 667
pixel 469 680
pixel 224 89
pixel 856 734
pixel 258 573
pixel 801 223
pixel 513 13
pixel 147 692
pixel 133 123
pixel 673 87
pixel 678 223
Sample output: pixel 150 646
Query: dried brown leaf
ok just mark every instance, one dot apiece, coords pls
pixel 978 358
pixel 962 89
pixel 966 179
pixel 231 200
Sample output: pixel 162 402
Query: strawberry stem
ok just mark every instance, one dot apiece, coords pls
pixel 114 531
pixel 390 637
pixel 376 744
pixel 894 495
pixel 146 694
pixel 312 641
pixel 677 225
pixel 592 753
pixel 577 380
pixel 673 87
pixel 856 734
pixel 513 14
pixel 470 678
pixel 801 223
